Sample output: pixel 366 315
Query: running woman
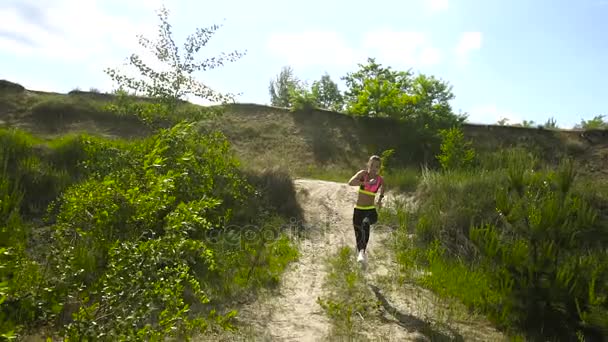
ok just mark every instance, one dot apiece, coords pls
pixel 365 214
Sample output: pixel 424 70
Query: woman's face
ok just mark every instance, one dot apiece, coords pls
pixel 374 167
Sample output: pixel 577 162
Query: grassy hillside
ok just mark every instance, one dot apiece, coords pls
pixel 306 143
pixel 93 229
pixel 517 234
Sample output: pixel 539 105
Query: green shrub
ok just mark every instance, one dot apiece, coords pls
pixel 151 239
pixel 302 99
pixel 455 151
pixel 544 255
pixel 402 179
pixel 146 237
pixel 522 243
pixel 21 286
pixel 502 159
pixel 450 203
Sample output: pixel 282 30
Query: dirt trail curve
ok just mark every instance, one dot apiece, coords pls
pixel 295 315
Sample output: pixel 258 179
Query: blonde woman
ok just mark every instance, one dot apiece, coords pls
pixel 370 183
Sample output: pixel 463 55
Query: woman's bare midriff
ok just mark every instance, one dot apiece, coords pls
pixel 365 200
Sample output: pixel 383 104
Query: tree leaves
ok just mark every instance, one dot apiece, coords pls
pixel 176 82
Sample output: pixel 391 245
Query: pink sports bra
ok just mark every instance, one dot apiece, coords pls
pixel 370 189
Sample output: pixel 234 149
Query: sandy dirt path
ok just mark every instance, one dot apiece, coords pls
pixel 293 314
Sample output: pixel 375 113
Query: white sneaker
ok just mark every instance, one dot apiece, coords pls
pixel 361 256
pixel 364 257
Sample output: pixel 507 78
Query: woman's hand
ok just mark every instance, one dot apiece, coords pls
pixel 379 203
pixel 358 178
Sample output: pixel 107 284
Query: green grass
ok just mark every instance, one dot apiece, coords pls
pixel 318 143
pixel 348 302
pixel 67 144
pixel 496 267
pixel 94 228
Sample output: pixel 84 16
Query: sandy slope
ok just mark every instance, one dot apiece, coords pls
pixel 294 315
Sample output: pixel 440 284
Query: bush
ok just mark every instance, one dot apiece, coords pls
pixel 302 99
pixel 146 224
pixel 455 153
pixel 146 238
pixel 544 254
pixel 525 244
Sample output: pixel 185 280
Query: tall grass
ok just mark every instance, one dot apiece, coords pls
pixel 516 239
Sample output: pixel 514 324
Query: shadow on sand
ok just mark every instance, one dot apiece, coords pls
pixel 415 324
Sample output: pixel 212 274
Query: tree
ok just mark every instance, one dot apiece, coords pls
pixel 551 124
pixel 327 94
pixel 456 151
pixel 502 122
pixel 596 123
pixel 527 123
pixel 302 97
pixel 176 82
pixel 374 90
pixel 282 86
pixel 431 102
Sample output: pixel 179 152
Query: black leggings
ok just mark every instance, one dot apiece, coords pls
pixel 362 229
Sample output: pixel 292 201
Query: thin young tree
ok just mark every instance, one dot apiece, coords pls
pixel 176 82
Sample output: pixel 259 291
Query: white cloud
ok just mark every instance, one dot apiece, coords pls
pixel 396 47
pixel 438 5
pixel 86 33
pixel 330 48
pixel 312 48
pixel 490 114
pixel 469 41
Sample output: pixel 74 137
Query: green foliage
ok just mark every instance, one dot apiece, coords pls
pixel 327 94
pixel 139 231
pixel 402 179
pixel 134 243
pixel 527 123
pixel 376 91
pixel 282 87
pixel 449 202
pixel 40 171
pixel 597 122
pixel 379 91
pixel 20 294
pixel 551 124
pixel 456 153
pixel 517 240
pixel 348 297
pixel 153 115
pixel 386 157
pixel 286 90
pixel 301 98
pixel 502 159
pixel 450 278
pixel 524 123
pixel 502 122
pixel 544 253
pixel 168 88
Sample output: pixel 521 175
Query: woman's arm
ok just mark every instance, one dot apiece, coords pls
pixel 382 188
pixel 357 179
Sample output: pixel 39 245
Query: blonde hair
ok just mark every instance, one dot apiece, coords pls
pixel 374 158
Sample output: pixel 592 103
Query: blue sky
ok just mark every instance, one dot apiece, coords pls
pixel 515 59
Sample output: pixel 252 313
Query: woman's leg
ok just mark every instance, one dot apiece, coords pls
pixel 370 219
pixel 358 226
